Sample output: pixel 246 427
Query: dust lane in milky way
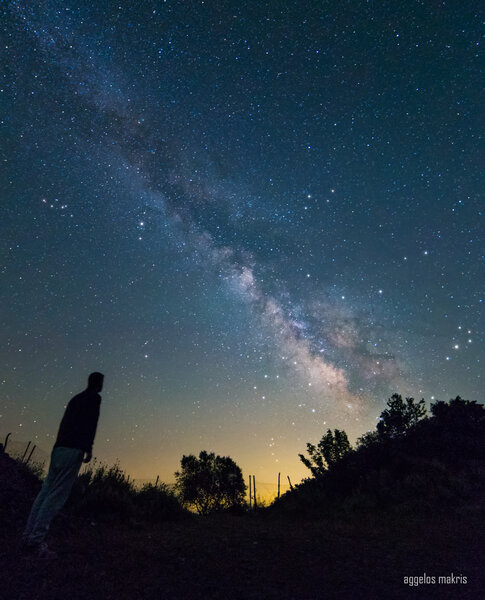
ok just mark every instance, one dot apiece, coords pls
pixel 258 221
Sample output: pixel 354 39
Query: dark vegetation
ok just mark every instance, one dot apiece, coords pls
pixel 106 493
pixel 407 500
pixel 330 449
pixel 210 483
pixel 410 464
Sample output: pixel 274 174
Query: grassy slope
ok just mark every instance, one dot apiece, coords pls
pixel 245 557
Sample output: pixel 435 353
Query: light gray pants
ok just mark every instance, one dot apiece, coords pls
pixel 63 470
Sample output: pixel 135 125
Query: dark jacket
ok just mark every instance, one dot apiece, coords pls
pixel 78 425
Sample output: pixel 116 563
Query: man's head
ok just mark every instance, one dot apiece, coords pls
pixel 95 381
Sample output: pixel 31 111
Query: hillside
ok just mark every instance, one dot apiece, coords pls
pixel 434 467
pixel 255 556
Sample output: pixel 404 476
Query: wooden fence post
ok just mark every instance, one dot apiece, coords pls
pixel 250 492
pixel 25 451
pixel 31 452
pixel 254 492
pixel 279 484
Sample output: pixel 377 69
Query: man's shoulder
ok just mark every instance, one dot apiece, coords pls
pixel 86 397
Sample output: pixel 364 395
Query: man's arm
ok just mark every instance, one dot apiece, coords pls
pixel 93 424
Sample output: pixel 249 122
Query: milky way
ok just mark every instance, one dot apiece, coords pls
pixel 258 221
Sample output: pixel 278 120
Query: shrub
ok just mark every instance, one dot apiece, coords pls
pixel 158 503
pixel 104 492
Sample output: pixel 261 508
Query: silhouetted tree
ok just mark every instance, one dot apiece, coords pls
pixel 330 449
pixel 210 482
pixel 367 439
pixel 400 416
pixel 458 411
pixel 458 428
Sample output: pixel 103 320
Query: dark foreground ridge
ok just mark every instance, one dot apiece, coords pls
pixel 254 556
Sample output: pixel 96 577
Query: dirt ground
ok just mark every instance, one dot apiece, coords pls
pixel 248 557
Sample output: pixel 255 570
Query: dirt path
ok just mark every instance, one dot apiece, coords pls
pixel 249 558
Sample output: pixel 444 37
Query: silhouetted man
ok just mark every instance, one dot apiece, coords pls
pixel 73 447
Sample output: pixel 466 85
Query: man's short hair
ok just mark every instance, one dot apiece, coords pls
pixel 95 379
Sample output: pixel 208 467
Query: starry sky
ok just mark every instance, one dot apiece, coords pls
pixel 258 219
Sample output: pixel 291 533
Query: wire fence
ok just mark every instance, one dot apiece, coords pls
pixel 28 452
pixel 265 492
pixel 268 492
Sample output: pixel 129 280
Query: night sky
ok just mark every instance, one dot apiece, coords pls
pixel 258 219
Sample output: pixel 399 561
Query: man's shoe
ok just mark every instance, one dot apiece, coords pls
pixel 45 553
pixel 41 551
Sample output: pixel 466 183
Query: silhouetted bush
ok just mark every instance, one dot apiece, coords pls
pixel 158 503
pixel 19 484
pixel 367 439
pixel 104 493
pixel 107 494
